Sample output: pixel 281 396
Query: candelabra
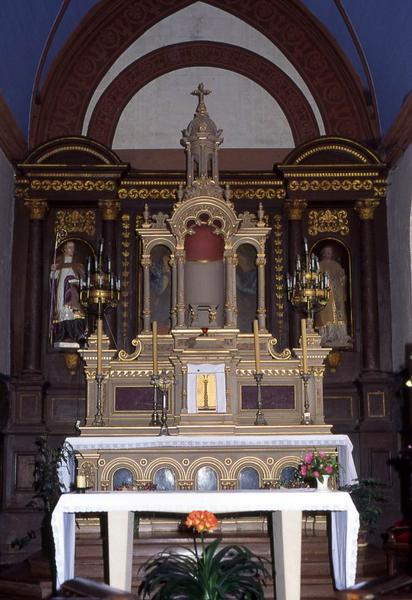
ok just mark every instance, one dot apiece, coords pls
pixel 308 287
pixel 155 419
pixel 163 381
pixel 99 292
pixel 260 417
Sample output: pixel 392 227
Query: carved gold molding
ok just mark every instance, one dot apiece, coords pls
pixel 170 193
pixel 125 357
pixel 70 221
pixel 259 194
pixel 37 209
pixel 110 209
pixel 376 186
pixel 366 208
pixel 279 272
pixel 295 209
pixel 125 255
pixel 244 372
pixel 147 194
pixel 72 185
pixel 328 221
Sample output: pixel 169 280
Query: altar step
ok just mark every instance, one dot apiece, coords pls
pixel 31 579
pixel 316 578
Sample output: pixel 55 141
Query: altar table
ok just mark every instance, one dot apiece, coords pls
pixel 347 471
pixel 285 506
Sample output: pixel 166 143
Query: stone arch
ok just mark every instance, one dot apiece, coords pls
pixel 114 99
pixel 111 27
pixel 169 463
pixel 120 463
pixel 207 461
pixel 286 461
pixel 249 461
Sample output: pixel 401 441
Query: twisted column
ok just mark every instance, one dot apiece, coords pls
pixel 33 308
pixel 369 292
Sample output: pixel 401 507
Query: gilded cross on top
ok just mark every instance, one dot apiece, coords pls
pixel 201 92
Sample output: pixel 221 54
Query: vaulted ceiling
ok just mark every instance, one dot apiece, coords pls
pixel 348 67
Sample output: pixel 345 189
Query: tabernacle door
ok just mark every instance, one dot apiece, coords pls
pixel 206 388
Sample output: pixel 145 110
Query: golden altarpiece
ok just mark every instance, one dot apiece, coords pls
pixel 206 254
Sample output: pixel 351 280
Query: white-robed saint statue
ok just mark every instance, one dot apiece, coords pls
pixel 66 311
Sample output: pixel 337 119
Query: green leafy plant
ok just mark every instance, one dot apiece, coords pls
pixel 230 573
pixel 46 486
pixel 368 496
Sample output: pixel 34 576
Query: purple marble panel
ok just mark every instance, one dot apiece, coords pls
pixel 135 398
pixel 273 396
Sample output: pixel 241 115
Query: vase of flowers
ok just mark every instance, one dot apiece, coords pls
pixel 207 572
pixel 319 466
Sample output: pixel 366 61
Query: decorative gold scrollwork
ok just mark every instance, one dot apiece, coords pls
pixel 125 357
pixel 81 221
pixel 328 221
pixel 286 353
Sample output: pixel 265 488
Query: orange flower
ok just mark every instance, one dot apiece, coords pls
pixel 201 520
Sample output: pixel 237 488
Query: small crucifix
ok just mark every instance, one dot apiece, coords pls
pixel 201 92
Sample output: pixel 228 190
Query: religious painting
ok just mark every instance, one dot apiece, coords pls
pixel 333 322
pixel 246 287
pixel 160 287
pixel 67 322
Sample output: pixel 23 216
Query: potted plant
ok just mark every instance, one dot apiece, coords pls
pixel 368 496
pixel 207 572
pixel 319 466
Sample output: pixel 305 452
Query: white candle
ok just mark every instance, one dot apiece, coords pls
pixel 304 345
pixel 81 481
pixel 154 349
pixel 257 346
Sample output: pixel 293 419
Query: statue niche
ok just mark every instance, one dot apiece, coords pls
pixel 160 287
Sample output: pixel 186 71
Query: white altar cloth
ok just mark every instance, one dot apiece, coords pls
pixel 285 506
pixel 347 471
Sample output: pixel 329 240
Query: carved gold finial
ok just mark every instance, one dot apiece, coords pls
pixel 366 208
pixel 37 209
pixel 201 92
pixel 110 209
pixel 295 209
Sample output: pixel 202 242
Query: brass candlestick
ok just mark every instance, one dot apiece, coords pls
pixel 164 381
pixel 155 418
pixel 306 418
pixel 260 417
pixel 99 292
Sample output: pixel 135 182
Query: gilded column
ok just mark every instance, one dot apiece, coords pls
pixel 294 210
pixel 369 293
pixel 234 263
pixel 261 309
pixel 146 313
pixel 172 263
pixel 33 309
pixel 229 288
pixel 180 307
pixel 109 211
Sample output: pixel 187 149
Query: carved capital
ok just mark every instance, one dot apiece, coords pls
pixel 146 261
pixel 37 209
pixel 110 209
pixel 366 208
pixel 295 209
pixel 260 261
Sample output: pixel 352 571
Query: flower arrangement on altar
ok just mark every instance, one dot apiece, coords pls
pixel 207 572
pixel 318 465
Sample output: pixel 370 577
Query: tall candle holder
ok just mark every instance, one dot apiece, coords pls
pixel 260 417
pixel 99 292
pixel 164 380
pixel 306 418
pixel 155 418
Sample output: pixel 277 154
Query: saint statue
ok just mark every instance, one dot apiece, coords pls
pixel 332 320
pixel 67 313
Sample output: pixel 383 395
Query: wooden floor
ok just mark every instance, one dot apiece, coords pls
pixel 32 579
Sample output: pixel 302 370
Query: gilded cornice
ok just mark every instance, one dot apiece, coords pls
pixel 376 186
pixel 72 185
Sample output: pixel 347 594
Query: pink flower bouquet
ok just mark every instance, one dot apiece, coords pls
pixel 316 465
